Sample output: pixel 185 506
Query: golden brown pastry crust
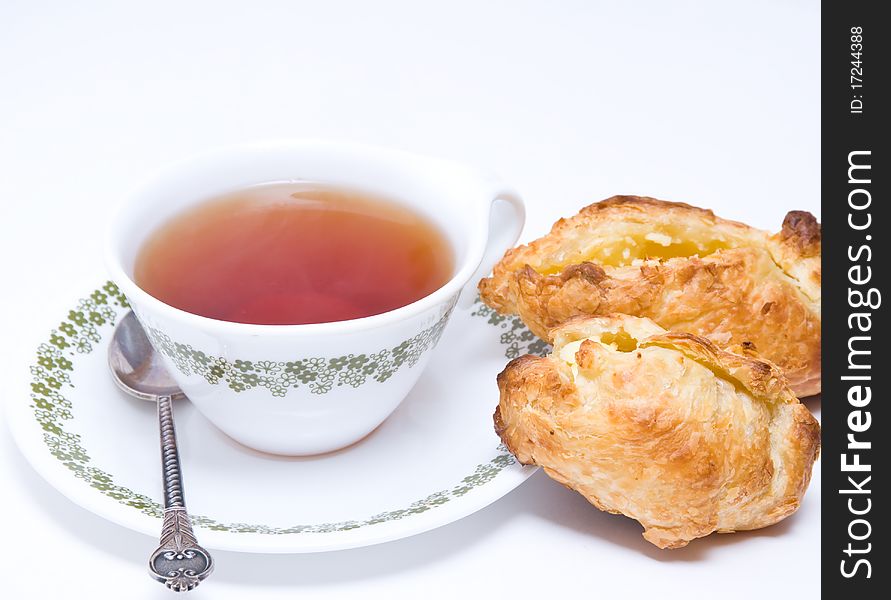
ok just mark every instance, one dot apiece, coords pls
pixel 684 437
pixel 740 285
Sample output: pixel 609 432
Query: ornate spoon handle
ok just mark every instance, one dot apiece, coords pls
pixel 179 562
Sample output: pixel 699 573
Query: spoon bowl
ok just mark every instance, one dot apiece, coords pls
pixel 135 366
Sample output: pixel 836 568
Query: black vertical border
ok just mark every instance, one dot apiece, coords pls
pixel 843 132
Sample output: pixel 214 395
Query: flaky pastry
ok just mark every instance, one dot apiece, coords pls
pixel 681 266
pixel 663 427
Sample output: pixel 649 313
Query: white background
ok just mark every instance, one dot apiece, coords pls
pixel 716 104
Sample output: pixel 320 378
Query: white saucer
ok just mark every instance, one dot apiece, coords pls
pixel 435 460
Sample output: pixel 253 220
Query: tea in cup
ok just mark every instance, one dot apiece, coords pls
pixel 297 289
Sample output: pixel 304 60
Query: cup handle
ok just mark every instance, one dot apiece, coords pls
pixel 507 215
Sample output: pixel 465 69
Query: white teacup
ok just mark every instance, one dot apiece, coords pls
pixel 307 389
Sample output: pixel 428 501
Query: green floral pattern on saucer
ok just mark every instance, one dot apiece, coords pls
pixel 320 374
pixel 518 339
pixel 82 331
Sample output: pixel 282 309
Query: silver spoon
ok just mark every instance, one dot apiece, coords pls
pixel 179 562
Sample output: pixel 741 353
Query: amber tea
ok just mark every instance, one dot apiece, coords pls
pixel 294 253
